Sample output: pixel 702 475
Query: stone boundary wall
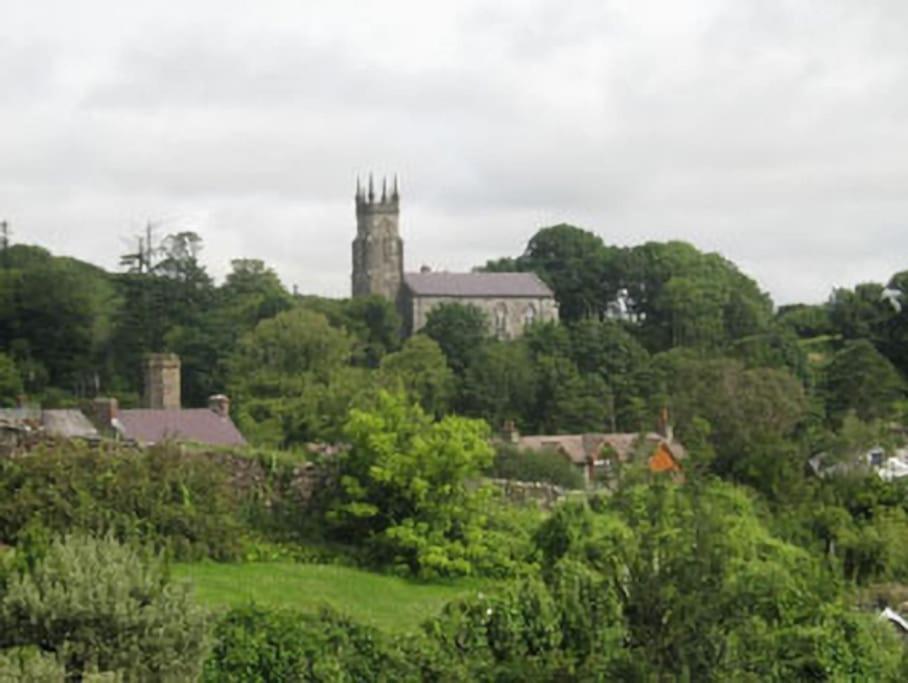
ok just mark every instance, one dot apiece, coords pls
pixel 523 492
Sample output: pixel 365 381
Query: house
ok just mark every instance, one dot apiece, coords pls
pixel 596 454
pixel 163 418
pixel 888 465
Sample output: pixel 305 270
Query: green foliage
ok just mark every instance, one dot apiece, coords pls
pixel 860 379
pixel 420 369
pixel 180 503
pixel 291 382
pixel 10 382
pixel 460 330
pixel 544 466
pixel 575 263
pixel 403 488
pixel 749 413
pixel 707 593
pixel 97 604
pixel 256 645
pixel 30 665
pixel 372 321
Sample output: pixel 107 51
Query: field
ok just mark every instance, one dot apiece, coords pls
pixel 388 602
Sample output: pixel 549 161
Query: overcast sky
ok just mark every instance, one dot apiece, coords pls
pixel 772 131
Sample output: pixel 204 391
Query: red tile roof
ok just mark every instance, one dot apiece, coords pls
pixel 200 425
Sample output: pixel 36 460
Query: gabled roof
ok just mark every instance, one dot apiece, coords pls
pixel 581 448
pixel 498 285
pixel 200 425
pixel 66 423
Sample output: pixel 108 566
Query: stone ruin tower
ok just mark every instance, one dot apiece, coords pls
pixel 378 250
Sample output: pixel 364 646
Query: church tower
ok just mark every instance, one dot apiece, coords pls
pixel 378 250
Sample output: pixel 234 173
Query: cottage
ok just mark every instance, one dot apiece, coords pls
pixel 163 418
pixel 595 454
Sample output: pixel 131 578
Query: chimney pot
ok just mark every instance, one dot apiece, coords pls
pixel 219 404
pixel 105 411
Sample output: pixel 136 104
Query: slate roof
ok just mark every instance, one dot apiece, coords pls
pixel 66 423
pixel 200 425
pixel 477 285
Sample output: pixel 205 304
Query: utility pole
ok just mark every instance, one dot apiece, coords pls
pixel 4 242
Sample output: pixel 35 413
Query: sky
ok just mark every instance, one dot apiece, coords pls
pixel 772 131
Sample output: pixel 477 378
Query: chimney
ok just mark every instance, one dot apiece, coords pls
pixel 219 405
pixel 509 432
pixel 105 411
pixel 162 381
pixel 665 426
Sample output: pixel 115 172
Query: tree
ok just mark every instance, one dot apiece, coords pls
pixel 98 604
pixel 575 263
pixel 750 413
pixel 403 488
pixel 860 379
pixel 460 330
pixel 291 381
pixel 681 296
pixel 858 313
pixel 421 370
pixel 500 385
pixel 252 292
pixel 10 382
pixel 706 592
pixel 609 350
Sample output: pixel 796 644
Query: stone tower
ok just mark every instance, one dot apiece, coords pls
pixel 378 250
pixel 162 381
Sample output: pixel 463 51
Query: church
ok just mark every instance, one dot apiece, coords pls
pixel 511 301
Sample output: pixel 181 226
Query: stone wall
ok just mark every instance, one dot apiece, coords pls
pixel 523 492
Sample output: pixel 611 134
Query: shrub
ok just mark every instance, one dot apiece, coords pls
pixel 29 665
pixel 257 645
pixel 403 490
pixel 160 497
pixel 97 604
pixel 544 466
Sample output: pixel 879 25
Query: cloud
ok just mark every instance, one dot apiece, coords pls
pixel 769 131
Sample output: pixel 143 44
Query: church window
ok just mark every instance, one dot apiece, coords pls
pixel 501 321
pixel 529 315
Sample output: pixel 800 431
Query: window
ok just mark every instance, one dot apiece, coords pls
pixel 501 321
pixel 529 315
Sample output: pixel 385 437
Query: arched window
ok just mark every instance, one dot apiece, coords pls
pixel 529 315
pixel 501 321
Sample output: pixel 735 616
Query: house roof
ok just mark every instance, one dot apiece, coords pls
pixel 580 448
pixel 67 423
pixel 194 424
pixel 498 285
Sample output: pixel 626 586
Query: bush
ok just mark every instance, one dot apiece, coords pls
pixel 258 645
pixel 543 466
pixel 160 497
pixel 29 665
pixel 99 605
pixel 403 490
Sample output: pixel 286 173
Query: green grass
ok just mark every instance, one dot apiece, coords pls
pixel 388 602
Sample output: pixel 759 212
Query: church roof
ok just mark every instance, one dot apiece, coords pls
pixel 477 285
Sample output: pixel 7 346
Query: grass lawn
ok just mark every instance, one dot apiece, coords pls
pixel 388 602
